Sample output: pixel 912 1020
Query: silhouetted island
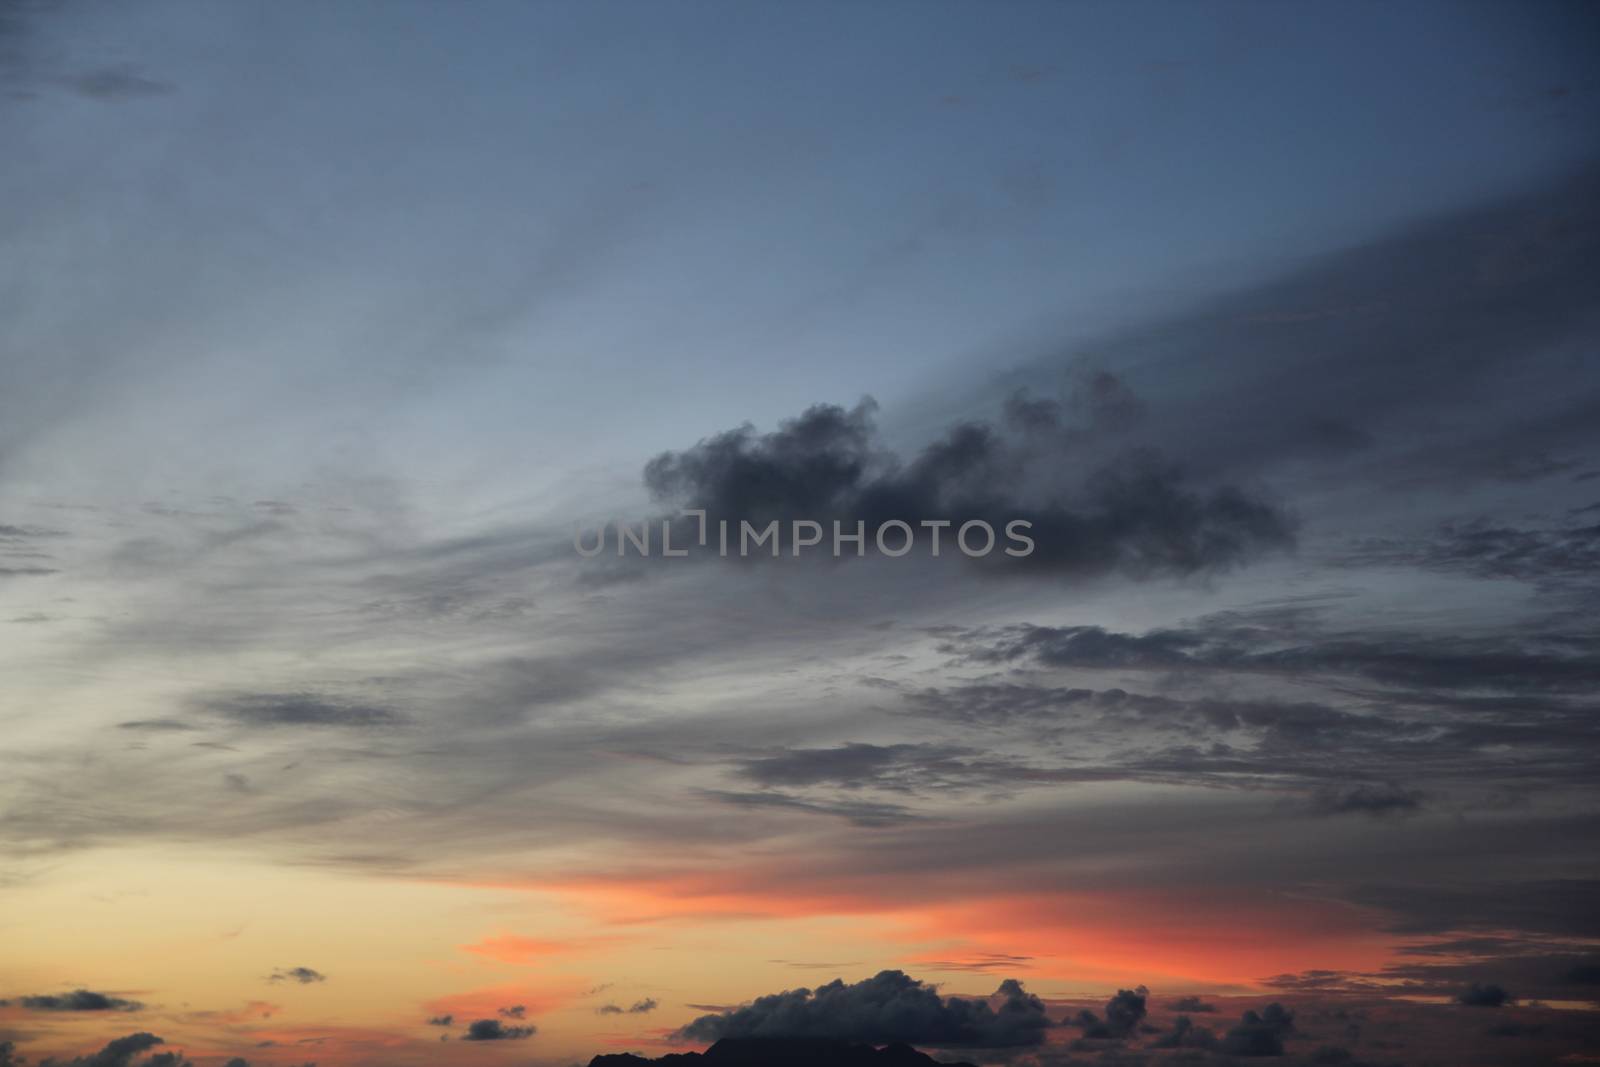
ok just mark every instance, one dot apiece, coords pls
pixel 782 1052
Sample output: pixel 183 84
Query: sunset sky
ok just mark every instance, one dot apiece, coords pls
pixel 323 326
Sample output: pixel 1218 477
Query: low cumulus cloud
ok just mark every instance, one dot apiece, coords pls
pixel 639 1007
pixel 121 1052
pixel 1124 1012
pixel 1258 1033
pixel 887 1008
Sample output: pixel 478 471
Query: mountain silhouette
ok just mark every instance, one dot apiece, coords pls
pixel 782 1052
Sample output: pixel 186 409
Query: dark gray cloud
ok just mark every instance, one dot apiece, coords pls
pixel 495 1030
pixel 1587 974
pixel 889 1007
pixel 157 725
pixel 120 82
pixel 121 1051
pixel 1185 1034
pixel 1193 1005
pixel 79 1000
pixel 846 765
pixel 1123 1014
pixel 1529 661
pixel 783 1052
pixel 1553 907
pixel 29 67
pixel 639 1007
pixel 1365 799
pixel 300 975
pixel 901 768
pixel 866 813
pixel 10 532
pixel 1135 512
pixel 299 709
pixel 1443 354
pixel 1552 556
pixel 1385 721
pixel 1487 995
pixel 1260 1033
pixel 1470 968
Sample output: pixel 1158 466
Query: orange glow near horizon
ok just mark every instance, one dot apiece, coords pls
pixel 398 953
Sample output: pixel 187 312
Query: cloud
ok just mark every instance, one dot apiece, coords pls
pixel 782 1052
pixel 299 709
pixel 1260 1033
pixel 442 1020
pixel 1364 799
pixel 302 975
pixel 123 82
pixel 516 1011
pixel 848 765
pixel 15 539
pixel 1437 355
pixel 121 1051
pixel 79 1000
pixel 1583 974
pixel 495 1030
pixel 1191 1004
pixel 1135 512
pixel 1185 1034
pixel 1483 996
pixel 1493 549
pixel 856 812
pixel 639 1007
pixel 887 1008
pixel 1287 646
pixel 1123 1013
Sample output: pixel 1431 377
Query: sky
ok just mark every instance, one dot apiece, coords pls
pixel 328 329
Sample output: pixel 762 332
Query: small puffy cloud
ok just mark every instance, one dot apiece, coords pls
pixel 79 1000
pixel 442 1020
pixel 640 1007
pixel 495 1030
pixel 302 975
